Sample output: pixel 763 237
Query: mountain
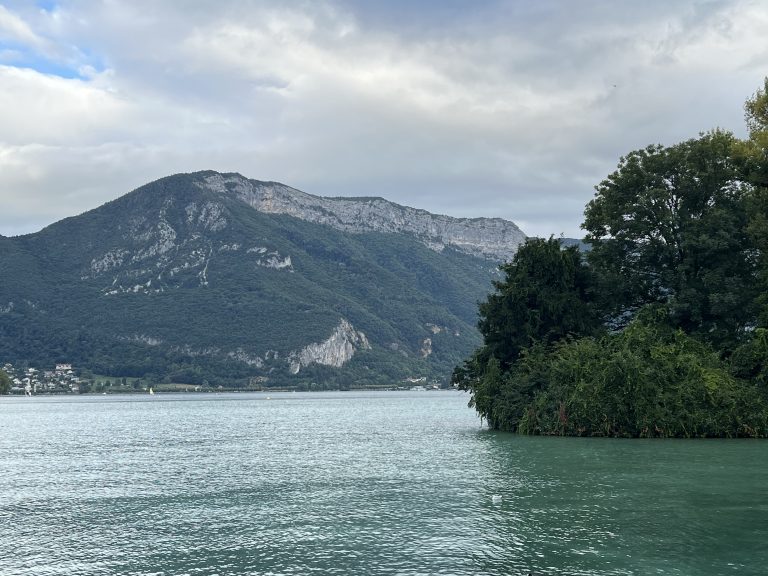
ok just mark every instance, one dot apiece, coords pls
pixel 583 246
pixel 488 237
pixel 209 276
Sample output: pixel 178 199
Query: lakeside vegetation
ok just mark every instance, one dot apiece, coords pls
pixel 661 328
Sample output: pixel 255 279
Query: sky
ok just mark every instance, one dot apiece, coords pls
pixel 478 108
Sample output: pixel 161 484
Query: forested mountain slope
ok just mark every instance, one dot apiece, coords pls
pixel 206 276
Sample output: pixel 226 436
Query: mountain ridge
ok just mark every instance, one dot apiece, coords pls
pixel 493 238
pixel 176 280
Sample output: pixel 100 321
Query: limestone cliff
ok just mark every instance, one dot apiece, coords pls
pixel 492 238
pixel 336 351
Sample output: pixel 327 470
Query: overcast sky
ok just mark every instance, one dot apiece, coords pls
pixel 511 109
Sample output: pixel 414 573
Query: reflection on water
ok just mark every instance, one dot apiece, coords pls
pixel 606 506
pixel 359 483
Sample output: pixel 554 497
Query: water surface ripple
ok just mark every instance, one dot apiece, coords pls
pixel 359 483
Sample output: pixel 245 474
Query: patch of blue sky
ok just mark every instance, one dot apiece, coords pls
pixel 47 5
pixel 21 56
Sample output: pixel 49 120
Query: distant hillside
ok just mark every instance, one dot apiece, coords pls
pixel 214 277
pixel 580 244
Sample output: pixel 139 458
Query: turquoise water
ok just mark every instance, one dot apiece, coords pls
pixel 359 483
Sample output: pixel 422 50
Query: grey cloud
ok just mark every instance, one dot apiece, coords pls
pixel 511 109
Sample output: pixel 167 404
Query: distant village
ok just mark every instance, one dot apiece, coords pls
pixel 29 381
pixel 63 380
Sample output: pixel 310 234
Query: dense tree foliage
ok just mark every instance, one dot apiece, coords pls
pixel 678 274
pixel 670 226
pixel 5 383
pixel 753 154
pixel 649 380
pixel 546 294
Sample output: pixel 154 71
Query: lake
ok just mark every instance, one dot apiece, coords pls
pixel 359 483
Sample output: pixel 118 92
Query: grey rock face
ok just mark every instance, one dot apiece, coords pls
pixel 492 238
pixel 336 351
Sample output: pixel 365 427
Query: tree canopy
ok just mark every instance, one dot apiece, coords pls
pixel 670 226
pixel 661 329
pixel 5 383
pixel 547 294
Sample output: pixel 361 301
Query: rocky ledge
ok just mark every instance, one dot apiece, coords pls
pixel 492 238
pixel 336 351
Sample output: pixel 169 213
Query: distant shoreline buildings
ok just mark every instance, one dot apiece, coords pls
pixel 28 381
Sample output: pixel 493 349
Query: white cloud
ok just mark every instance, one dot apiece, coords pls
pixel 503 110
pixel 14 28
pixel 43 109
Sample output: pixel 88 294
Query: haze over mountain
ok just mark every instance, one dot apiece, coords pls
pixel 209 276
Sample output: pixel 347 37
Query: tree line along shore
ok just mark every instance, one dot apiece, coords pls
pixel 660 329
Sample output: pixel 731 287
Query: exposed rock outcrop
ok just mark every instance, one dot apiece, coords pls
pixel 335 351
pixel 492 238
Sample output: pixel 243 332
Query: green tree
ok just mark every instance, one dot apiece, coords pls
pixel 5 383
pixel 649 380
pixel 755 150
pixel 546 295
pixel 670 226
pixel 750 360
pixel 679 257
pixel 753 154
